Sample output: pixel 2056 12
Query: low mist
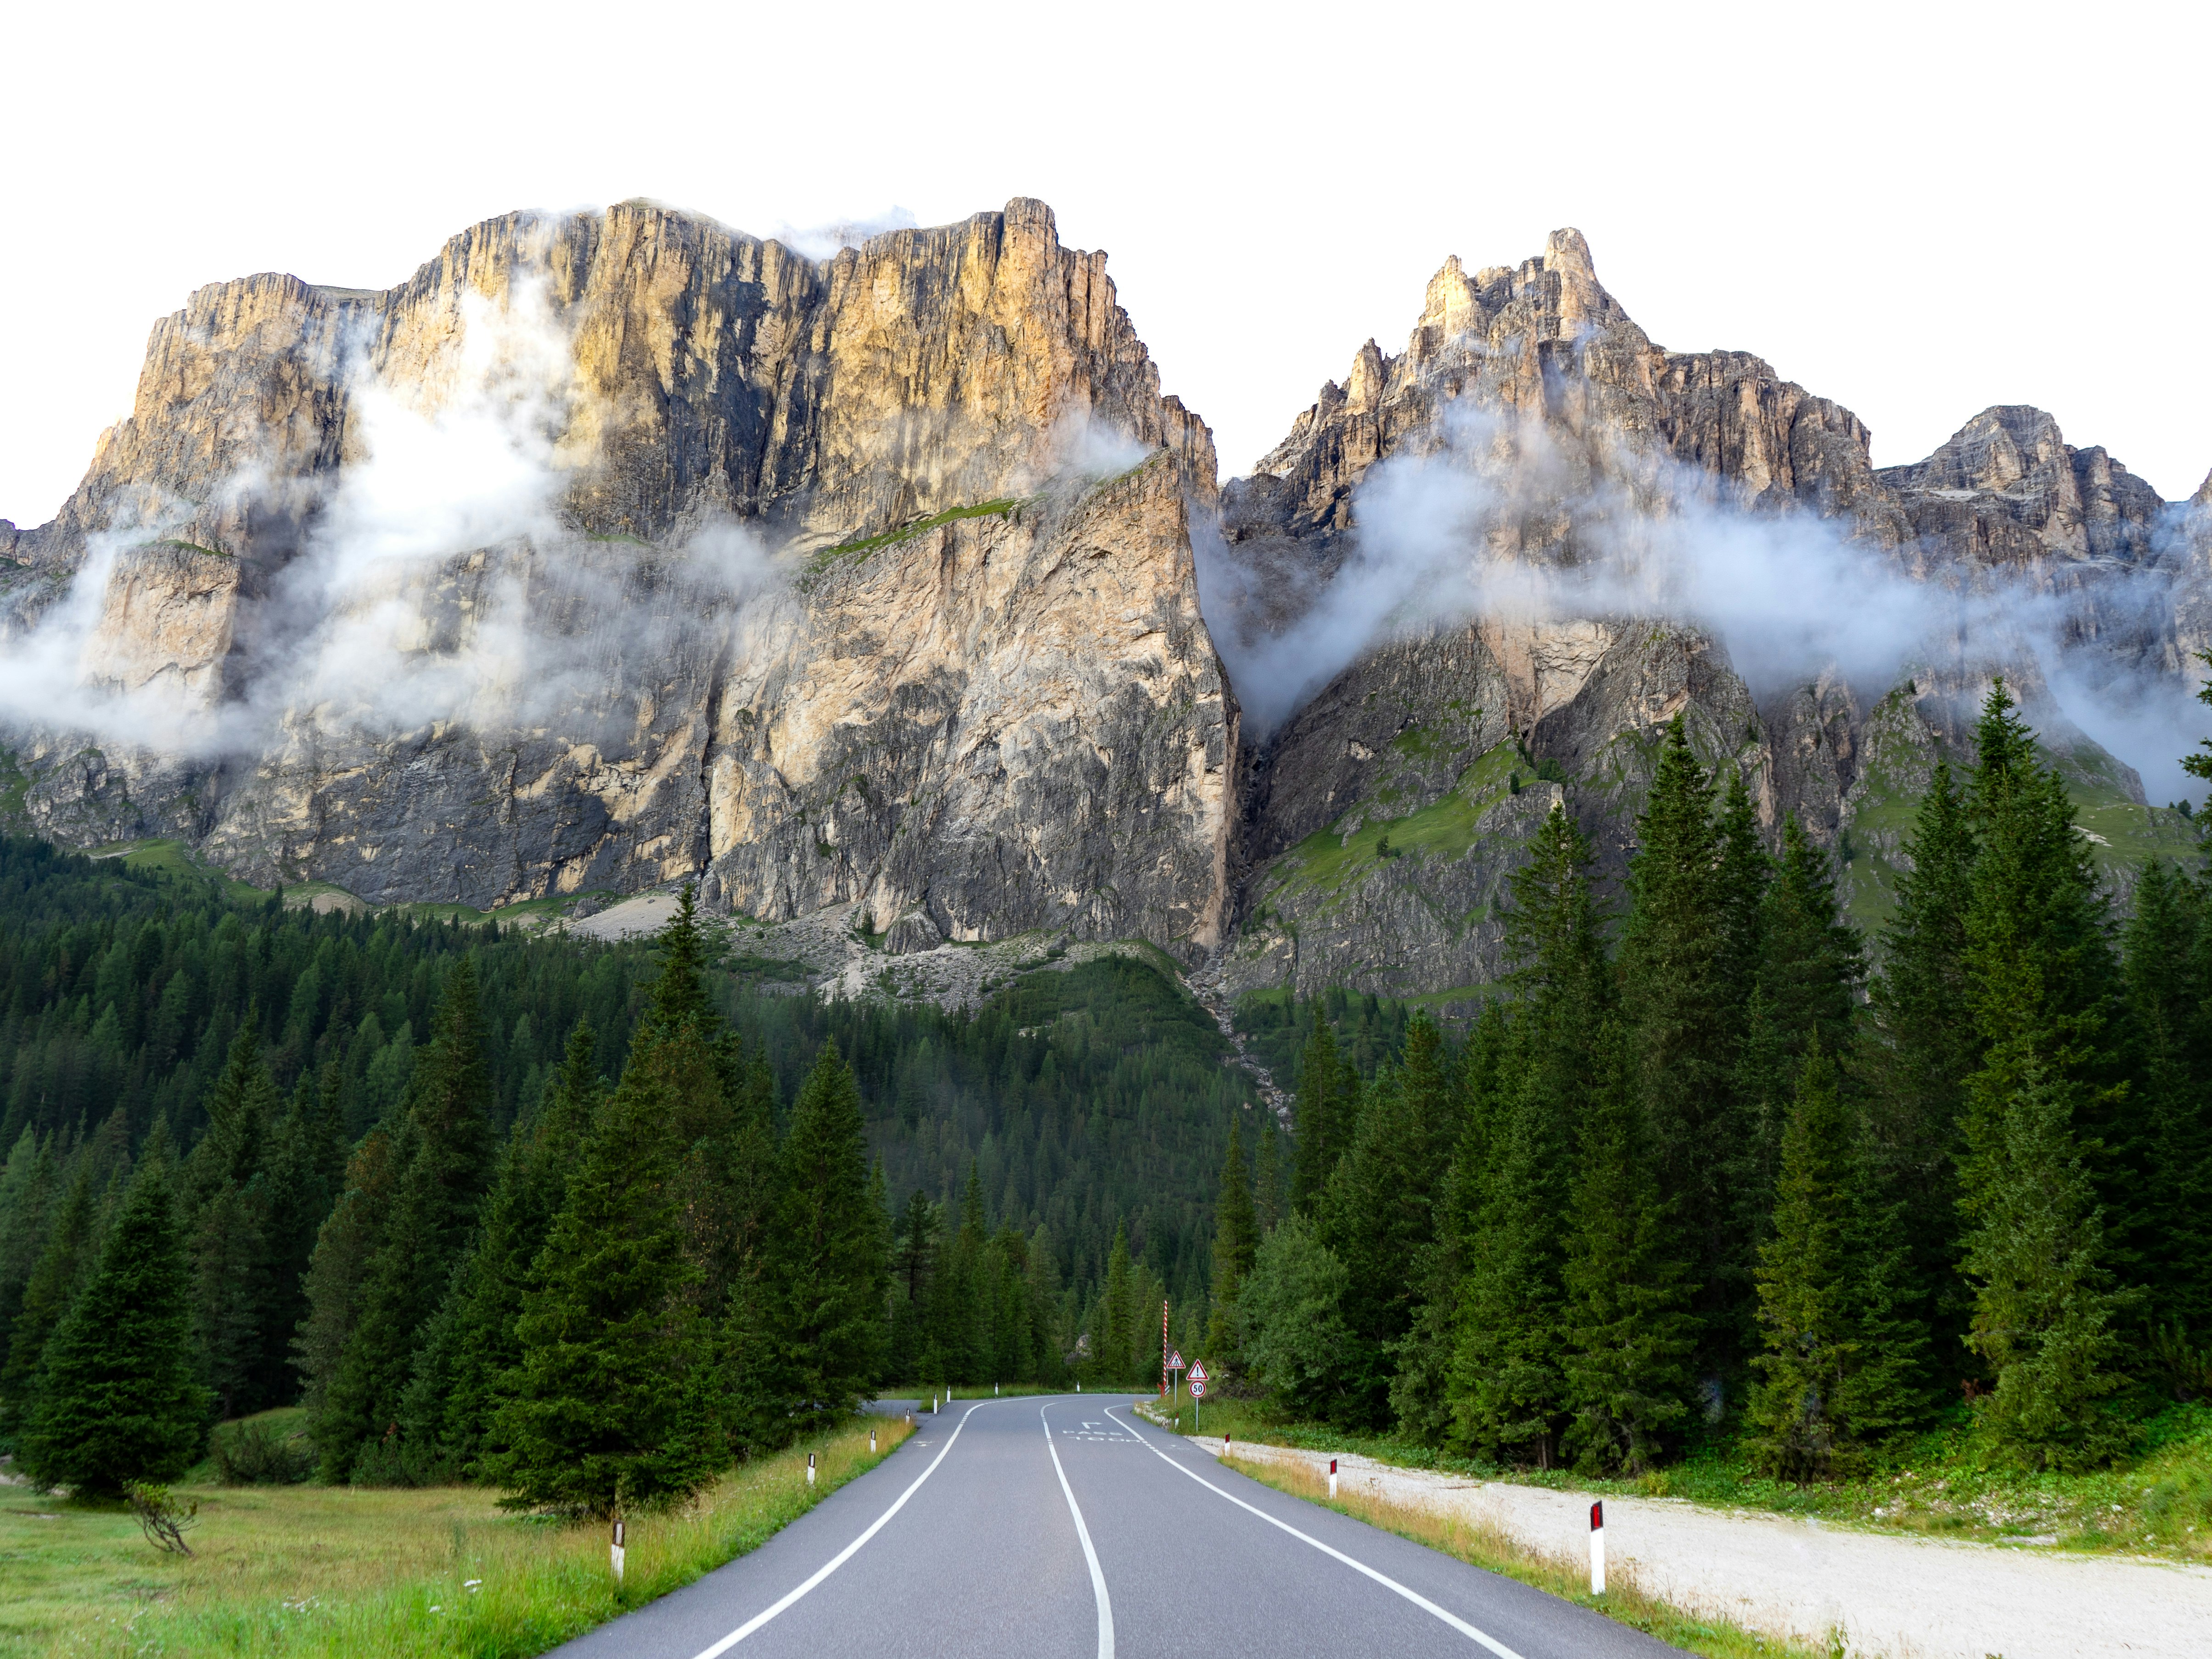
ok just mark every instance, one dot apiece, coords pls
pixel 1499 522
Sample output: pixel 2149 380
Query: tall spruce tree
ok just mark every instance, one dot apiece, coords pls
pixel 2038 1248
pixel 612 1406
pixel 1508 1389
pixel 1631 1333
pixel 1840 1361
pixel 1316 1115
pixel 445 1153
pixel 1377 1213
pixel 1925 1046
pixel 1268 1198
pixel 225 1198
pixel 2170 1015
pixel 120 1401
pixel 1680 973
pixel 832 1251
pixel 72 1252
pixel 467 1360
pixel 1236 1245
pixel 1803 994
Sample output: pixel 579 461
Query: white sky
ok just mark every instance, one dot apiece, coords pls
pixel 1917 209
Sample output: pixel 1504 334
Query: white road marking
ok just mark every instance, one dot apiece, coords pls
pixel 1090 1555
pixel 848 1552
pixel 1388 1582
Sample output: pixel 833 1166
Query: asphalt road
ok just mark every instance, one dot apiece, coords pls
pixel 1034 1528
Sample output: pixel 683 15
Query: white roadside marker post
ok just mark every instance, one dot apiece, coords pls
pixel 872 1443
pixel 1332 1480
pixel 810 1468
pixel 615 1552
pixel 1597 1548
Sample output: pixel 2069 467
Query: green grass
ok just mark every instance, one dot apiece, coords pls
pixel 861 546
pixel 365 1573
pixel 194 547
pixel 1444 829
pixel 2158 1501
pixel 173 857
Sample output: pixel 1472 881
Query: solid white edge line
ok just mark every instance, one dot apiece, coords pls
pixel 1090 1555
pixel 1383 1579
pixel 843 1555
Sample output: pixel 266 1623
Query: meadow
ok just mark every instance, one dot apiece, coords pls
pixel 291 1571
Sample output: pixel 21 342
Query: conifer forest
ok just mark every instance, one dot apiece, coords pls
pixel 589 1224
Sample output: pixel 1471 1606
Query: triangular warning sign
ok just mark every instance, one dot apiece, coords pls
pixel 1198 1372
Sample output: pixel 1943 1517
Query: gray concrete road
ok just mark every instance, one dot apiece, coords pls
pixel 1039 1529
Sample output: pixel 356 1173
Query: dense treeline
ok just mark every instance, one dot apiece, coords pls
pixel 364 1143
pixel 1699 1174
pixel 1091 1101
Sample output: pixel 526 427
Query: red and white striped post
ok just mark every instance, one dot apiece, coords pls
pixel 1332 1479
pixel 1597 1547
pixel 1164 1348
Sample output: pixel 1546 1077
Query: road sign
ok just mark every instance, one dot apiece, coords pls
pixel 1198 1373
pixel 1198 1390
pixel 1174 1362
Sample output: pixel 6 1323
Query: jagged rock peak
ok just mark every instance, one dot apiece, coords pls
pixel 708 372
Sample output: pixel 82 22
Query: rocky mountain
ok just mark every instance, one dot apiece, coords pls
pixel 859 582
pixel 1383 814
pixel 615 549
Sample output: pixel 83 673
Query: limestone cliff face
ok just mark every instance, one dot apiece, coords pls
pixel 1380 816
pixel 860 579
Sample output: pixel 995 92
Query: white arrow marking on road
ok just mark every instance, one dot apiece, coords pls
pixel 1090 1555
pixel 845 1555
pixel 1388 1582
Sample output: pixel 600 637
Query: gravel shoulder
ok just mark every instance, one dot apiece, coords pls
pixel 1896 1598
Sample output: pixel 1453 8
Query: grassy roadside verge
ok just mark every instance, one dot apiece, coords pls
pixel 2157 1501
pixel 317 1571
pixel 1495 1551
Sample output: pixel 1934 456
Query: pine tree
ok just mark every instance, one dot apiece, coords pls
pixel 445 1153
pixel 1804 992
pixel 610 1407
pixel 833 1250
pixel 225 1199
pixel 27 1195
pixel 472 1343
pixel 1318 1116
pixel 1267 1200
pixel 1377 1213
pixel 1838 1372
pixel 1117 1321
pixel 302 1175
pixel 1630 1331
pixel 338 1275
pixel 120 1401
pixel 71 1253
pixel 2170 1009
pixel 1506 1387
pixel 913 1258
pixel 2038 1246
pixel 1680 970
pixel 1236 1245
pixel 1925 1047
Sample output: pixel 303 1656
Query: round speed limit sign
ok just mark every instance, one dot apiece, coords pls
pixel 1198 1390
